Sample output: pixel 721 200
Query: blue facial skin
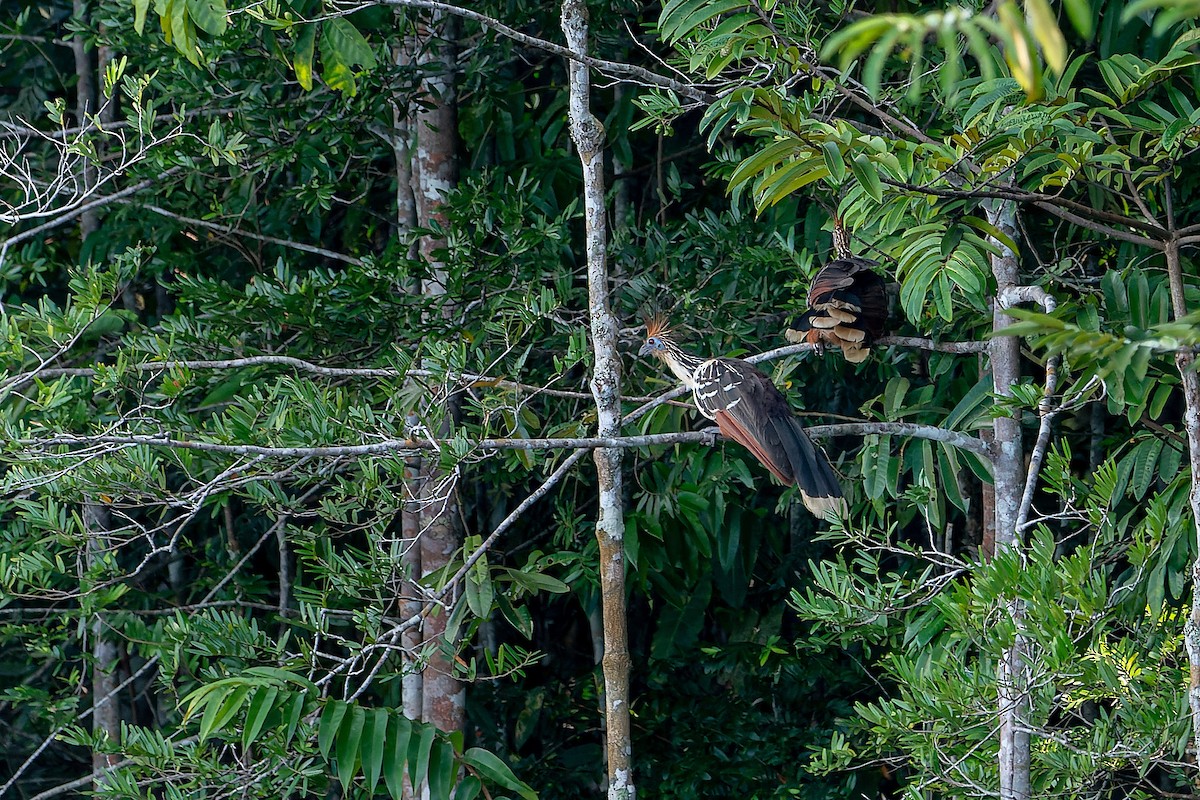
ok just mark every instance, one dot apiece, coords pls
pixel 652 344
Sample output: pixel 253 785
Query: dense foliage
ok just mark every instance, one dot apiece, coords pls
pixel 218 356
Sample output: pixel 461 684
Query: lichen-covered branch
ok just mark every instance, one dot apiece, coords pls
pixel 1185 362
pixel 588 135
pixel 1009 483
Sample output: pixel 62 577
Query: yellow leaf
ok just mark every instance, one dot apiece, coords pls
pixel 1044 25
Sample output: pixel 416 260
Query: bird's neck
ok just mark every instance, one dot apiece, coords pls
pixel 683 364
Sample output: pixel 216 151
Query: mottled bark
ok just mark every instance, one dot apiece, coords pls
pixel 410 590
pixel 106 713
pixel 443 697
pixel 1008 484
pixel 410 601
pixel 106 655
pixel 588 136
pixel 85 104
pixel 1185 362
pixel 402 141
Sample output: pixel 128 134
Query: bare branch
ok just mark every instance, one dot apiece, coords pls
pixel 630 72
pixel 67 216
pixel 226 229
pixel 387 446
pixel 470 378
pixel 962 441
pixel 1047 407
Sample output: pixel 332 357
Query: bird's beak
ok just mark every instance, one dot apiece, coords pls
pixel 645 351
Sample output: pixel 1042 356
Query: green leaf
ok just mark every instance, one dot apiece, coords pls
pixel 1080 14
pixel 418 754
pixel 1145 462
pixel 496 771
pixel 256 715
pixel 983 226
pixel 182 30
pixel 302 62
pixel 343 47
pixel 373 746
pixel 350 45
pixel 537 581
pixel 865 173
pixel 1019 51
pixel 834 161
pixel 468 788
pixel 441 770
pixel 682 16
pixel 283 676
pixel 517 615
pixel 349 742
pixel 209 15
pixel 395 754
pixel 295 712
pixel 225 390
pixel 1045 28
pixel 875 475
pixel 478 587
pixel 139 14
pixel 327 727
pixel 218 714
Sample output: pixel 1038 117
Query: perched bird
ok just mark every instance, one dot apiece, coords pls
pixel 847 308
pixel 749 409
pixel 847 304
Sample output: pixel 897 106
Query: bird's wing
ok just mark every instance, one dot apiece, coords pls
pixel 742 400
pixel 749 409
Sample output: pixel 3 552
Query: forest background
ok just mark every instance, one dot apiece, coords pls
pixel 329 469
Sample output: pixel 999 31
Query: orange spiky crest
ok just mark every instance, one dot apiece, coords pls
pixel 656 325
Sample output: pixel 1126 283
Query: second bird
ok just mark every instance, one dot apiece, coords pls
pixel 847 308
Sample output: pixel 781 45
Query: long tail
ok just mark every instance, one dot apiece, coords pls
pixel 818 484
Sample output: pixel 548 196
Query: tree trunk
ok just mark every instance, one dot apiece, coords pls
pixel 1185 362
pixel 85 104
pixel 106 655
pixel 412 689
pixel 443 697
pixel 588 136
pixel 1009 484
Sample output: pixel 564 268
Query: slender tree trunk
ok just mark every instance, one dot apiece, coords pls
pixel 106 655
pixel 588 136
pixel 410 602
pixel 1185 362
pixel 85 104
pixel 443 697
pixel 1009 484
pixel 410 514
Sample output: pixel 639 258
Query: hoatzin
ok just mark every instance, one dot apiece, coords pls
pixel 847 304
pixel 749 409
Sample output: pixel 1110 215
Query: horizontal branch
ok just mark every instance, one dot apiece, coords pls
pixel 387 446
pixel 9 130
pixel 1092 219
pixel 630 71
pixel 919 343
pixel 706 436
pixel 962 441
pixel 231 231
pixel 472 379
pixel 67 216
pixel 316 369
